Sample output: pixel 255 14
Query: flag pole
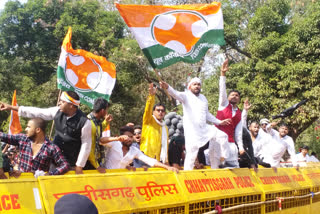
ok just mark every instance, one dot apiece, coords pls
pixel 51 129
pixel 165 90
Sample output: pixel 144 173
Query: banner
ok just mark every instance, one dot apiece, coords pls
pixel 91 76
pixel 217 184
pixel 20 196
pixel 168 34
pixel 283 179
pixel 116 192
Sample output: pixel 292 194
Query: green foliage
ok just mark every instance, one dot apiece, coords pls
pixel 283 66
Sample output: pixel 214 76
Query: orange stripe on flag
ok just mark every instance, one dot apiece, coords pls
pixel 14 126
pixel 142 15
pixel 106 66
pixel 107 131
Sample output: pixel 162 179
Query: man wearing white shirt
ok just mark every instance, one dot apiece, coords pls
pixel 303 156
pixel 280 142
pixel 259 140
pixel 72 127
pixel 197 131
pixel 120 154
pixel 228 109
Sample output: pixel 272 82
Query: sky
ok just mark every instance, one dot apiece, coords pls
pixel 3 2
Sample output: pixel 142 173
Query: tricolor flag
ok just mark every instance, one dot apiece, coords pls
pixel 107 131
pixel 14 125
pixel 91 76
pixel 168 34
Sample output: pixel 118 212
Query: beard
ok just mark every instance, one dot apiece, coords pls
pixel 232 102
pixel 32 137
pixel 196 92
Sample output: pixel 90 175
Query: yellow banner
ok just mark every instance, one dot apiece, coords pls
pixel 217 184
pixel 282 179
pixel 20 196
pixel 117 192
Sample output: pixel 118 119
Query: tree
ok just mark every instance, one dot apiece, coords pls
pixel 281 62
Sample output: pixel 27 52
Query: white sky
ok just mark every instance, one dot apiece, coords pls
pixel 3 2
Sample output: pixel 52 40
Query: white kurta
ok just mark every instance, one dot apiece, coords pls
pixel 301 158
pixel 197 131
pixel 116 160
pixel 260 141
pixel 277 147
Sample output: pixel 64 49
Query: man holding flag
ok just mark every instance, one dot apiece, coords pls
pixel 72 128
pixel 14 125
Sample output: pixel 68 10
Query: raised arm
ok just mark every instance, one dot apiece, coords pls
pixel 173 93
pixel 223 98
pixel 32 112
pixel 244 113
pixel 147 116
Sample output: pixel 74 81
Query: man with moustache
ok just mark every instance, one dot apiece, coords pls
pixel 280 142
pixel 154 136
pixel 36 151
pixel 121 153
pixel 72 127
pixel 197 131
pixel 228 109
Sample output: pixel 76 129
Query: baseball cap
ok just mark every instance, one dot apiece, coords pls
pixel 264 121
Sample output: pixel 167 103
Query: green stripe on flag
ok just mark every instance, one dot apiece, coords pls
pixel 86 98
pixel 161 57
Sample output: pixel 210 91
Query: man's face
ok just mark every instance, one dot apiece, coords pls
pixel 137 135
pixel 159 112
pixel 64 106
pixel 264 126
pixel 103 112
pixel 195 88
pixel 129 141
pixel 304 152
pixel 283 131
pixel 254 129
pixel 31 129
pixel 234 98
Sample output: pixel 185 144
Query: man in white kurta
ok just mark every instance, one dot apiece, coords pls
pixel 195 117
pixel 120 154
pixel 280 142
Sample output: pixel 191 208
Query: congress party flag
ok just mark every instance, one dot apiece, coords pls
pixel 168 34
pixel 14 125
pixel 89 75
pixel 107 131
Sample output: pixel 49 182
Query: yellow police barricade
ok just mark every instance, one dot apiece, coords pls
pixel 209 189
pixel 286 190
pixel 116 192
pixel 20 195
pixel 313 176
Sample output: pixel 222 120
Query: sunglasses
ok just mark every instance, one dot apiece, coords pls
pixel 160 110
pixel 137 133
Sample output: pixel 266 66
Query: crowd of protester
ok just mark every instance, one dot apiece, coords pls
pixel 224 140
